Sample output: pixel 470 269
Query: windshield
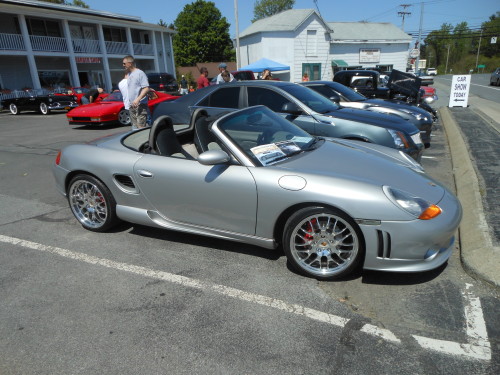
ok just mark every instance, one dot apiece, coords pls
pixel 310 98
pixel 113 97
pixel 265 137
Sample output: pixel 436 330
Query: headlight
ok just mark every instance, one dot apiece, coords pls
pixel 415 206
pixel 399 139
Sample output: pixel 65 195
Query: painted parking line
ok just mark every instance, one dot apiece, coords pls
pixel 477 347
pixel 475 84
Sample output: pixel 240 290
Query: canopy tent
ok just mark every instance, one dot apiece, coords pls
pixel 260 65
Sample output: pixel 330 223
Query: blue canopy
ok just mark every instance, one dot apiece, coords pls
pixel 263 63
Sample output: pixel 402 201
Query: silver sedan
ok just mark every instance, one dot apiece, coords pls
pixel 252 176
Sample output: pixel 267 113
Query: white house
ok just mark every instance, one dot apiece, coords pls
pixel 301 39
pixel 51 45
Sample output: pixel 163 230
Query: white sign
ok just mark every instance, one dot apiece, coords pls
pixel 459 94
pixel 414 53
pixel 371 55
pixel 493 39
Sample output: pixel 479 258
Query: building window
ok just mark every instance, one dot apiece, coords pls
pixel 311 43
pixel 41 27
pixel 112 34
pixel 313 71
pixel 387 69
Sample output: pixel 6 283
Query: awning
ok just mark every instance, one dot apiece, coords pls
pixel 339 63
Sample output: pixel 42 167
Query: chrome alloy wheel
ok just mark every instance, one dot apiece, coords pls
pixel 124 117
pixel 88 204
pixel 13 109
pixel 44 110
pixel 324 245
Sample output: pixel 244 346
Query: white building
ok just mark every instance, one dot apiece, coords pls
pixel 50 45
pixel 301 39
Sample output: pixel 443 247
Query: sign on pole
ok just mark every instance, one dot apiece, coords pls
pixel 459 94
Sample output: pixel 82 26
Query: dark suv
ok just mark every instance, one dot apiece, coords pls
pixel 163 82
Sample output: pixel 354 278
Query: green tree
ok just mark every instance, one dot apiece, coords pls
pixel 491 28
pixel 436 44
pixel 202 35
pixel 266 8
pixel 78 3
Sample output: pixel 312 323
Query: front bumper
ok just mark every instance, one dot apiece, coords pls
pixel 413 246
pixel 62 106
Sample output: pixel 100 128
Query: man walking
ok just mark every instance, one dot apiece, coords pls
pixel 138 88
pixel 184 86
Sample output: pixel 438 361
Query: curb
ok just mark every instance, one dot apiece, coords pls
pixel 477 253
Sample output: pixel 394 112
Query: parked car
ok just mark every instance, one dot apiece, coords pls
pixel 432 71
pixel 402 86
pixel 163 82
pixel 304 107
pixel 332 205
pixel 111 110
pixel 495 77
pixel 348 98
pixel 426 79
pixel 79 92
pixel 42 101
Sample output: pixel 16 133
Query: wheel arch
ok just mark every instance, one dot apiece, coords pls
pixel 72 174
pixel 279 225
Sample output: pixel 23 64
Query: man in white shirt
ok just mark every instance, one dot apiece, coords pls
pixel 223 67
pixel 138 88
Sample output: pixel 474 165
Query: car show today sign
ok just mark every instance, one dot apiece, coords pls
pixel 459 94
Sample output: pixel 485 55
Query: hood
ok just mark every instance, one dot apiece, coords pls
pixel 398 104
pixel 373 118
pixel 371 164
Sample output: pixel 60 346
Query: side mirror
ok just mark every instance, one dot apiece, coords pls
pixel 213 157
pixel 291 108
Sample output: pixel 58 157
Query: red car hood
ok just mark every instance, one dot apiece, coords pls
pixel 96 109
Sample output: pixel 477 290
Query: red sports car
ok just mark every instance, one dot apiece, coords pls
pixel 110 110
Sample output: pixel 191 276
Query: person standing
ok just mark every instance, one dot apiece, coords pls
pixel 92 95
pixel 223 68
pixel 266 75
pixel 184 86
pixel 203 80
pixel 305 77
pixel 137 90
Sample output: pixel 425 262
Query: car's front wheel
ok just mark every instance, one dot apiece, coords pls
pixel 13 109
pixel 323 243
pixel 44 110
pixel 92 203
pixel 124 117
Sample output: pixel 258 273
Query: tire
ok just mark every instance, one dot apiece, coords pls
pixel 323 243
pixel 44 110
pixel 124 117
pixel 92 203
pixel 13 109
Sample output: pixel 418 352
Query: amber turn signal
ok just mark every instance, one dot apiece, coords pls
pixel 430 212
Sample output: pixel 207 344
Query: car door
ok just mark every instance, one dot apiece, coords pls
pixel 223 197
pixel 275 101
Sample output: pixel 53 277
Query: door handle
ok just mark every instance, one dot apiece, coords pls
pixel 144 173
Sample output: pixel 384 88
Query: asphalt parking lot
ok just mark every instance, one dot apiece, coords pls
pixel 141 300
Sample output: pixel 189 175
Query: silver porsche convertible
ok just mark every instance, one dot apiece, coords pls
pixel 254 177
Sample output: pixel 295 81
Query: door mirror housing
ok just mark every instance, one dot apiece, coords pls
pixel 213 157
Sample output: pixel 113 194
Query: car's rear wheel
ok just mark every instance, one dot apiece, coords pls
pixel 124 117
pixel 13 109
pixel 92 203
pixel 44 110
pixel 323 243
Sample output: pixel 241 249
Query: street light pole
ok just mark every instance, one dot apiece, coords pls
pixel 417 63
pixel 237 35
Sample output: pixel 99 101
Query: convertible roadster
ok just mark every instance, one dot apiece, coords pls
pixel 111 110
pixel 254 177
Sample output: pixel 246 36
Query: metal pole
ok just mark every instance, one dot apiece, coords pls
pixel 478 47
pixel 237 35
pixel 448 55
pixel 417 66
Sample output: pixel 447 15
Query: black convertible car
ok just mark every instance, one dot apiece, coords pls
pixel 42 101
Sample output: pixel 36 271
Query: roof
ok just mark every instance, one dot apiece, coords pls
pixel 364 31
pixel 292 19
pixel 288 20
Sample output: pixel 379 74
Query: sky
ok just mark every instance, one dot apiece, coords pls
pixel 435 12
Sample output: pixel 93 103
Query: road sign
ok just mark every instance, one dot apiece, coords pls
pixel 459 94
pixel 414 53
pixel 481 66
pixel 493 39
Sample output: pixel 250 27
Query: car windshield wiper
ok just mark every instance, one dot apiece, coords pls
pixel 312 145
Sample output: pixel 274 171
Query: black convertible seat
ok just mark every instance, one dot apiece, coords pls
pixel 163 140
pixel 204 140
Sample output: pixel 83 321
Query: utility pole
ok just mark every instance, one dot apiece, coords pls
pixel 403 14
pixel 447 56
pixel 417 63
pixel 238 62
pixel 478 47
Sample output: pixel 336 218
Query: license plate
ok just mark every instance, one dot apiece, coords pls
pixel 417 138
pixel 67 108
